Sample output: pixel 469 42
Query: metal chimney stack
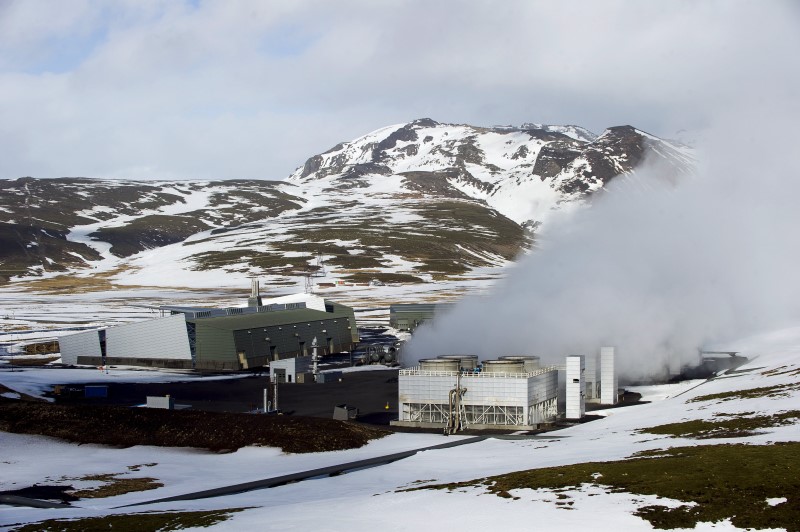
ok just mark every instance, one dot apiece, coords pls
pixel 255 298
pixel 608 376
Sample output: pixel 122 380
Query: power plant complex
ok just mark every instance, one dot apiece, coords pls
pixel 291 334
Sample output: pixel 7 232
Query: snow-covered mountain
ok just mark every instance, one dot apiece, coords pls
pixel 408 203
pixel 523 172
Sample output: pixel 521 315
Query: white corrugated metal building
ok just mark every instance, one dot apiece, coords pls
pixel 141 343
pixel 86 343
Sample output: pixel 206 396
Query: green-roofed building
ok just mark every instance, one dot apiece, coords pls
pixel 220 339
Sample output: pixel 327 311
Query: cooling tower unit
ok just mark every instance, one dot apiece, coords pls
pixel 501 396
pixel 576 386
pixel 530 362
pixel 440 364
pixel 468 362
pixel 608 376
pixel 503 366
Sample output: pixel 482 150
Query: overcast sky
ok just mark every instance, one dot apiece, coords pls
pixel 250 89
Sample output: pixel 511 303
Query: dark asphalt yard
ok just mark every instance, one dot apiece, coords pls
pixel 369 391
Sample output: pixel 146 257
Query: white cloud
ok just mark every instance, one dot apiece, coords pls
pixel 251 89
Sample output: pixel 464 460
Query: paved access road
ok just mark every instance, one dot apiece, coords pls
pixel 305 475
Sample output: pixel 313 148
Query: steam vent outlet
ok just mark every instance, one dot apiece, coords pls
pixel 467 362
pixel 440 364
pixel 503 366
pixel 531 363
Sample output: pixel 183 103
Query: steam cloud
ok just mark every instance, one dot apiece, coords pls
pixel 657 269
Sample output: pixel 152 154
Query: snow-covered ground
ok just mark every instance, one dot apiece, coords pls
pixel 659 392
pixel 369 498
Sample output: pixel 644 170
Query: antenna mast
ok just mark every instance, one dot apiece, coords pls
pixel 317 271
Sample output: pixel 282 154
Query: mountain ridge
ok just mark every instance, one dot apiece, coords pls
pixel 414 202
pixel 554 154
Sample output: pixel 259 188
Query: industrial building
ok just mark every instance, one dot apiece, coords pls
pixel 512 392
pixel 220 339
pixel 582 384
pixel 448 392
pixel 408 317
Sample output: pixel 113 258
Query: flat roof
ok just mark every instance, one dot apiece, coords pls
pixel 254 320
pixel 201 312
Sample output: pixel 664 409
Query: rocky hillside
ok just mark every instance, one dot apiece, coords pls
pixel 524 173
pixel 408 203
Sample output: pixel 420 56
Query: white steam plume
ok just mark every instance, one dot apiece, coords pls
pixel 654 268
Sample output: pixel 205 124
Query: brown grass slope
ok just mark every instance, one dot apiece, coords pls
pixel 715 482
pixel 125 427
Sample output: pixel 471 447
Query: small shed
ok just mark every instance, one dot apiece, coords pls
pixel 156 401
pixel 286 370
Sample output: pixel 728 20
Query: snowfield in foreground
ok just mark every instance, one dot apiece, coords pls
pixel 370 498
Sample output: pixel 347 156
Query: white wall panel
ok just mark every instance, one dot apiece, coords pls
pixel 576 388
pixel 84 344
pixel 162 338
pixel 608 376
pixel 590 376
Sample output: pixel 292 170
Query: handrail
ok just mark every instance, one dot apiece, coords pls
pixel 480 374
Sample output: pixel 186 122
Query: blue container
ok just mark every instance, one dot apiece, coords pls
pixel 95 391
